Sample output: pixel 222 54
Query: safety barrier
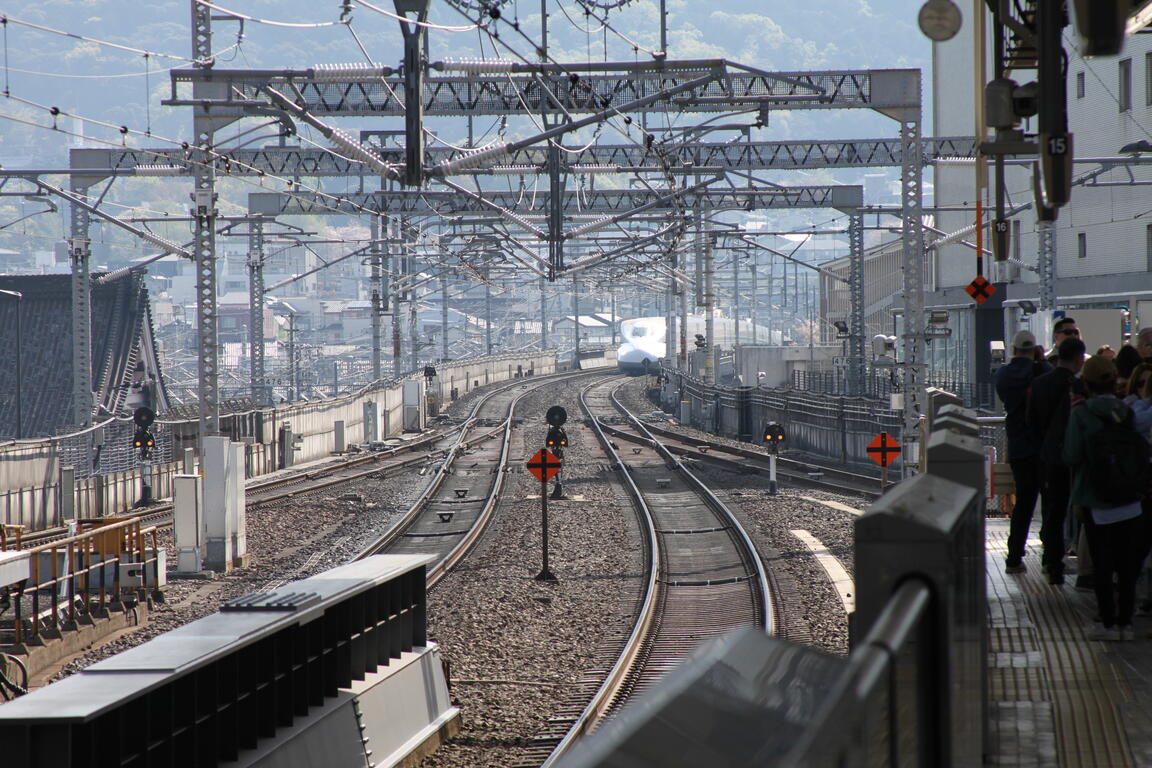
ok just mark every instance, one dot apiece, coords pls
pixel 913 690
pixel 104 471
pixel 82 576
pixel 269 679
pixel 835 428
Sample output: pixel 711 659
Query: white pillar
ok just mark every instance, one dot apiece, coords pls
pixel 188 524
pixel 217 520
pixel 237 501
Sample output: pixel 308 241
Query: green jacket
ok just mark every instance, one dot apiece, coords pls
pixel 1083 424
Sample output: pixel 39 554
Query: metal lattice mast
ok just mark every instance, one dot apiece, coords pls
pixel 912 201
pixel 857 336
pixel 576 320
pixel 395 260
pixel 755 301
pixel 543 317
pixel 709 304
pixel 444 315
pixel 487 312
pixel 375 295
pixel 736 297
pixel 259 380
pixel 204 211
pixel 79 250
pixel 1047 240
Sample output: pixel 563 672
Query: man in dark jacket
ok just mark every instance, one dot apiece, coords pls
pixel 1012 384
pixel 1047 416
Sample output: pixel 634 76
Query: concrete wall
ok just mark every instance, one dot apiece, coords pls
pixel 29 471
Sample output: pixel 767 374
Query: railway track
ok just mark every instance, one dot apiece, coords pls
pixel 739 459
pixel 428 449
pixel 704 577
pixel 454 509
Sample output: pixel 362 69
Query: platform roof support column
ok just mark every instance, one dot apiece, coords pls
pixel 857 334
pixel 79 248
pixel 259 379
pixel 1047 241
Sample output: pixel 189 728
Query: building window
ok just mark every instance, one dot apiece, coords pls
pixel 1082 245
pixel 1080 84
pixel 1148 246
pixel 1148 79
pixel 1125 85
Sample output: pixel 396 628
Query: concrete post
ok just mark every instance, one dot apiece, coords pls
pixel 188 523
pixel 217 521
pixel 238 505
pixel 370 433
pixel 67 495
pixel 338 436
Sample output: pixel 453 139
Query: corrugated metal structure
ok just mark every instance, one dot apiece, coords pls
pixel 125 369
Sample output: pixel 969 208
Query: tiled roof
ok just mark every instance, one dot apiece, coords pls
pixel 121 341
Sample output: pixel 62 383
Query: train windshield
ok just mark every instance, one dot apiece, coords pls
pixel 637 332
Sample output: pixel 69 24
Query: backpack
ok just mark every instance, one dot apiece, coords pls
pixel 1118 463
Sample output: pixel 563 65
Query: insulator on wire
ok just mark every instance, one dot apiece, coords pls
pixel 472 159
pixel 594 168
pixel 591 226
pixel 357 151
pixel 159 170
pixel 515 170
pixel 353 73
pixel 479 66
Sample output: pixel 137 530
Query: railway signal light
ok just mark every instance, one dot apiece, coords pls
pixel 774 434
pixel 143 442
pixel 556 438
pixel 773 437
pixel 701 342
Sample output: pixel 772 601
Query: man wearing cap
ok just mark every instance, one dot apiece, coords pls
pixel 1049 404
pixel 1013 382
pixel 1144 344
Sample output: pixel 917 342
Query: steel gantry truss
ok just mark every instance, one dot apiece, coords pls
pixel 373 90
pixel 688 158
pixel 219 97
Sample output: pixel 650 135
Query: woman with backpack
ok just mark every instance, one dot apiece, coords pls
pixel 1109 460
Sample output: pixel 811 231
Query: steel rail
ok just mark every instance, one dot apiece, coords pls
pixel 621 675
pixel 419 509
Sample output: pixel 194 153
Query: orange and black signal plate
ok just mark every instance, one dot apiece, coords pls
pixel 980 289
pixel 883 449
pixel 544 465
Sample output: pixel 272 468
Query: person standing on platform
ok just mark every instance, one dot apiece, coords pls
pixel 1012 384
pixel 1143 344
pixel 1049 404
pixel 1109 460
pixel 1063 328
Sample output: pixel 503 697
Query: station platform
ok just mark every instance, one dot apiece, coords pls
pixel 1057 698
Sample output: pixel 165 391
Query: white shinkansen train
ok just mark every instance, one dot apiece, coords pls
pixel 644 340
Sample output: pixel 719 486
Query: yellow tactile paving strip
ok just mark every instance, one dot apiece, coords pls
pixel 1038 652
